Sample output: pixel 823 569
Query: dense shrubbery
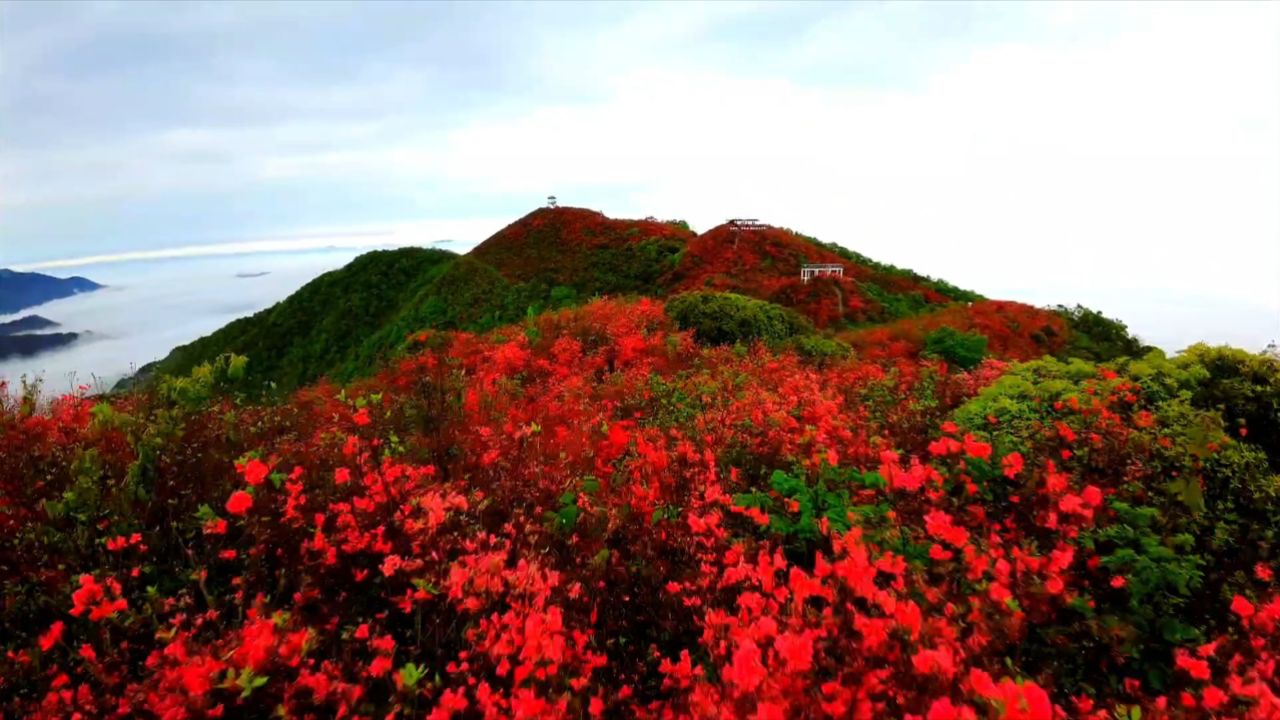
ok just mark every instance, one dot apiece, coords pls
pixel 1093 336
pixel 317 329
pixel 1014 331
pixel 590 514
pixel 631 509
pixel 1194 515
pixel 1245 388
pixel 964 350
pixel 819 349
pixel 727 318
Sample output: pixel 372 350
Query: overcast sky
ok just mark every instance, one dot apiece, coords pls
pixel 1126 156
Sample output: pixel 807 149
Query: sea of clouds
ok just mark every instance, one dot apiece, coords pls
pixel 150 307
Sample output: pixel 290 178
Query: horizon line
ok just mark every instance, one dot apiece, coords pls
pixel 423 234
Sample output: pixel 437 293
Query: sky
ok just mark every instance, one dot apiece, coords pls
pixel 1125 156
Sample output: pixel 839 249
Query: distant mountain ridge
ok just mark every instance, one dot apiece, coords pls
pixel 19 338
pixel 347 322
pixel 22 290
pixel 26 324
pixel 12 346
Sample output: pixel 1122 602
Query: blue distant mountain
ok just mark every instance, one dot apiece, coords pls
pixel 33 344
pixel 20 290
pixel 26 324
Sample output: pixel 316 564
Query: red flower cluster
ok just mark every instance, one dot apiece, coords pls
pixel 592 516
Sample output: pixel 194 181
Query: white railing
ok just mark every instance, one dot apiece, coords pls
pixel 808 272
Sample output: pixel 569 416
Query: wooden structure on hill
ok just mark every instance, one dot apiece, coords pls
pixel 551 201
pixel 811 271
pixel 746 224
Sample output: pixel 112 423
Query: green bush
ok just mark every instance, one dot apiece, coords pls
pixel 1190 510
pixel 1245 388
pixel 819 349
pixel 963 350
pixel 728 318
pixel 1093 336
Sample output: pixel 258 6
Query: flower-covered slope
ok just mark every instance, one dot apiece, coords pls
pixel 589 514
pixel 766 262
pixel 585 250
pixel 593 254
pixel 1013 331
pixel 347 323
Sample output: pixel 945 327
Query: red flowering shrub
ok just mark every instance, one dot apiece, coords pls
pixel 592 515
pixel 1014 331
pixel 583 249
pixel 766 264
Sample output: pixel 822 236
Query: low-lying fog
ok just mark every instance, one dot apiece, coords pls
pixel 151 307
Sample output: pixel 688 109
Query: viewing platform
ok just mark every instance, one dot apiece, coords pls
pixel 808 272
pixel 747 224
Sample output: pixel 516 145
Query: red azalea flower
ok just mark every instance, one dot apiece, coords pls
pixel 255 471
pixel 239 502
pixel 1242 607
pixel 53 636
pixel 1012 464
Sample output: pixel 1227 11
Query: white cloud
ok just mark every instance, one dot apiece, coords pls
pixel 449 234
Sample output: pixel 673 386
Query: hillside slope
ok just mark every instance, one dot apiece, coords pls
pixel 319 328
pixel 344 324
pixel 765 263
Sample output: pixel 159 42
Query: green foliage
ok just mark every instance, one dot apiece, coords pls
pixel 1162 570
pixel 1187 523
pixel 1093 336
pixel 964 350
pixel 728 318
pixel 895 305
pixel 315 330
pixel 1244 387
pixel 796 507
pixel 205 381
pixel 346 323
pixel 819 349
pixel 463 294
pixel 629 268
pixel 411 674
